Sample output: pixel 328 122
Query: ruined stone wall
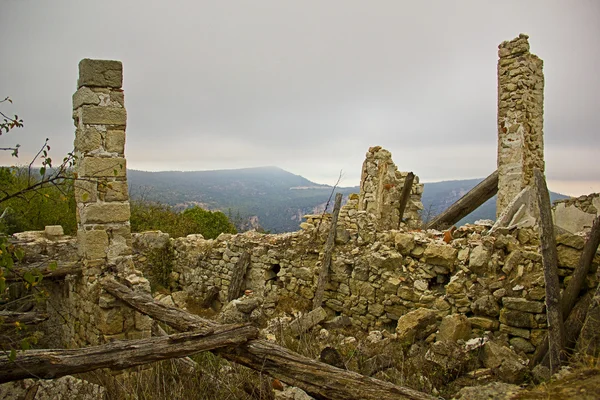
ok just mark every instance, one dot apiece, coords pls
pixel 496 281
pixel 520 118
pixel 576 214
pixel 380 188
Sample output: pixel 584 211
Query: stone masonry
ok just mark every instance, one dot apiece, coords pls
pixel 104 235
pixel 520 118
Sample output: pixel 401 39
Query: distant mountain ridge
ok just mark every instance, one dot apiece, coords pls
pixel 275 198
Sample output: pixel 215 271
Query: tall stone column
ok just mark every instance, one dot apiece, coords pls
pixel 520 118
pixel 104 235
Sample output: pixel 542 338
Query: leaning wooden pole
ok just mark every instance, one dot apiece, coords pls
pixel 50 364
pixel 319 380
pixel 550 261
pixel 405 195
pixel 481 193
pixel 324 273
pixel 237 280
pixel 571 293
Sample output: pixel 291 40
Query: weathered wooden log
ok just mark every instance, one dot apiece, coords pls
pixel 144 303
pixel 405 195
pixel 588 342
pixel 324 273
pixel 320 380
pixel 27 318
pixel 185 363
pixel 237 280
pixel 571 293
pixel 47 271
pixel 550 263
pixel 573 325
pixel 484 191
pixel 49 364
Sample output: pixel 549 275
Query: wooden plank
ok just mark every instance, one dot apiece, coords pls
pixel 50 364
pixel 61 270
pixel 28 318
pixel 405 195
pixel 237 279
pixel 481 193
pixel 324 273
pixel 318 379
pixel 550 262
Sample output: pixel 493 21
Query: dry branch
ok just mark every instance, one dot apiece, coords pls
pixel 318 379
pixel 484 191
pixel 49 364
pixel 324 273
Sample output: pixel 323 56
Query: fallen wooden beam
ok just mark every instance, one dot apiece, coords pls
pixel 481 193
pixel 49 364
pixel 318 379
pixel 47 271
pixel 27 318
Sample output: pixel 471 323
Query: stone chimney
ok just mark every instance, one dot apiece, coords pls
pixel 520 118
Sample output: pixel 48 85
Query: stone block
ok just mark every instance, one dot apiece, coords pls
pixel 507 364
pixel 486 305
pixel 520 304
pixel 486 324
pixel 100 73
pixel 518 319
pixel 114 141
pixel 95 115
pixel 307 321
pixel 85 191
pixel 116 191
pixel 440 254
pixel 103 213
pixel 87 139
pixel 85 96
pixel 92 244
pixel 110 321
pixel 53 231
pixel 102 167
pixel 404 243
pixel 416 325
pixel 454 327
pixel 524 333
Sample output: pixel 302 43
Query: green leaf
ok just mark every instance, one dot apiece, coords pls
pixel 42 171
pixel 52 266
pixel 13 355
pixel 85 196
pixel 28 277
pixel 20 254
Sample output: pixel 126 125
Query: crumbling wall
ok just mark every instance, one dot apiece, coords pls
pixel 576 214
pixel 520 118
pixel 380 188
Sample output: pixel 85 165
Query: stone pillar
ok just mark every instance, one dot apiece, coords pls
pixel 104 235
pixel 520 118
pixel 380 189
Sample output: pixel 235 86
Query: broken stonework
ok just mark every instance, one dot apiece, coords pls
pixel 508 366
pixel 520 118
pixel 416 325
pixel 66 387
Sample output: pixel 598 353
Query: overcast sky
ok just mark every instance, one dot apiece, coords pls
pixel 308 85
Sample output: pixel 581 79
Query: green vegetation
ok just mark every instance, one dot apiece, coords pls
pixel 147 216
pixel 34 209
